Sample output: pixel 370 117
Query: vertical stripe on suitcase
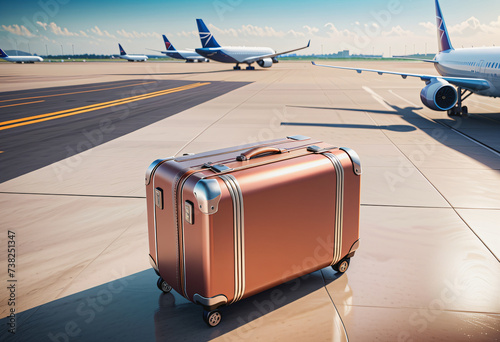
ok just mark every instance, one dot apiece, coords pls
pixel 339 206
pixel 239 235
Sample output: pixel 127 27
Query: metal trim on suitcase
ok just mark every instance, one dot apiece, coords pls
pixel 239 235
pixel 339 207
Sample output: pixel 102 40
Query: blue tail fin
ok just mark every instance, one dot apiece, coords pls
pixel 122 52
pixel 444 41
pixel 3 54
pixel 207 40
pixel 168 45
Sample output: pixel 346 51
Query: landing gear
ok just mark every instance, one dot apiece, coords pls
pixel 460 110
pixel 342 265
pixel 236 67
pixel 212 318
pixel 162 285
pixel 250 67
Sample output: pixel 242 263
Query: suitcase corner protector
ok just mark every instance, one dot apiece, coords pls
pixel 210 303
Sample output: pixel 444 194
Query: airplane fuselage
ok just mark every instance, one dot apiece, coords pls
pixel 134 58
pixel 472 63
pixel 233 54
pixel 187 55
pixel 23 59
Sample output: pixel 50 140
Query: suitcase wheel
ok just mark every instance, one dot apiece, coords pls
pixel 342 265
pixel 212 318
pixel 162 285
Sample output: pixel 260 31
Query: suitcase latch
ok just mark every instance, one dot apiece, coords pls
pixel 159 198
pixel 216 168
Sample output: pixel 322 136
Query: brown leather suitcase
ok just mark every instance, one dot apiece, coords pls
pixel 227 224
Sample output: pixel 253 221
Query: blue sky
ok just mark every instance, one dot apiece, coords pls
pixel 362 26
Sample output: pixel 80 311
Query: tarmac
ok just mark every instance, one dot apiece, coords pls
pixel 428 264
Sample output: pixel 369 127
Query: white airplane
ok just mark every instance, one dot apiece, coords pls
pixel 263 56
pixel 20 59
pixel 470 70
pixel 189 56
pixel 132 58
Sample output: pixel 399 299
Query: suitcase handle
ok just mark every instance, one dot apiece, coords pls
pixel 258 151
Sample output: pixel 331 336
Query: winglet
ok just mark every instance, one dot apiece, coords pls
pixel 3 54
pixel 444 41
pixel 313 63
pixel 122 52
pixel 308 43
pixel 207 39
pixel 168 45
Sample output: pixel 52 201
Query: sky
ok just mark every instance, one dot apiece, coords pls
pixel 388 27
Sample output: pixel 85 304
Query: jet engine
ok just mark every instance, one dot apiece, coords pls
pixel 275 60
pixel 439 95
pixel 265 63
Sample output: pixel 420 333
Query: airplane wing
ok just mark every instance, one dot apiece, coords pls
pixel 257 58
pixel 464 82
pixel 415 59
pixel 156 50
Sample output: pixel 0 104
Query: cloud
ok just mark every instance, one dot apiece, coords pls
pixel 187 34
pixel 334 32
pixel 44 25
pixel 397 31
pixel 135 34
pixel 102 33
pixel 468 27
pixel 229 32
pixel 296 33
pixel 84 34
pixel 311 30
pixel 18 30
pixel 59 31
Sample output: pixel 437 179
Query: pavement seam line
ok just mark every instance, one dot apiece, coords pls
pixel 334 306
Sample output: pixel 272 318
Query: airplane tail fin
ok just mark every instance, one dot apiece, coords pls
pixel 168 45
pixel 207 40
pixel 122 52
pixel 444 41
pixel 3 54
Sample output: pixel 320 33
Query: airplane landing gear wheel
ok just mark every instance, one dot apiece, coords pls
pixel 250 68
pixel 465 112
pixel 162 285
pixel 212 318
pixel 237 67
pixel 342 265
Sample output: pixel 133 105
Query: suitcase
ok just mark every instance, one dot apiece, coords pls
pixel 227 224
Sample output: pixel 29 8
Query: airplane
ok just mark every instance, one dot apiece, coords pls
pixel 189 56
pixel 132 58
pixel 470 70
pixel 20 59
pixel 263 56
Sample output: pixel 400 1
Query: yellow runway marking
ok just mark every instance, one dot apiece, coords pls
pixel 20 104
pixel 77 92
pixel 69 112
